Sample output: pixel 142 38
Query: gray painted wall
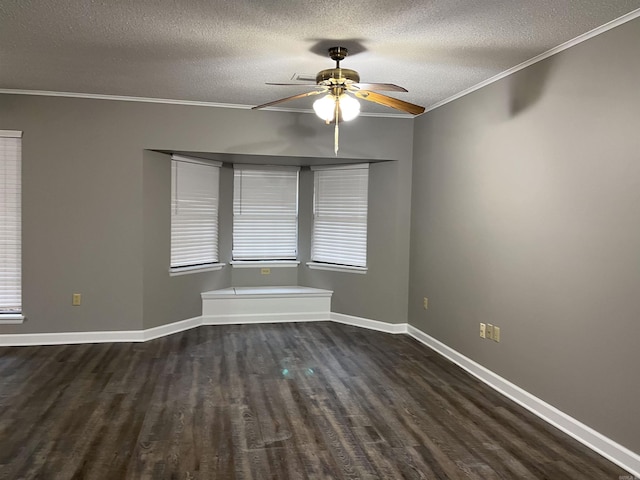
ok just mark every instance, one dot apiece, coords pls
pixel 525 215
pixel 96 205
pixel 168 299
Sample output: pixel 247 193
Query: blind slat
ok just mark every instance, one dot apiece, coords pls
pixel 10 224
pixel 194 213
pixel 265 214
pixel 340 216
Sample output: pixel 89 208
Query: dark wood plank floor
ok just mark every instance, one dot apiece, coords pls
pixel 288 401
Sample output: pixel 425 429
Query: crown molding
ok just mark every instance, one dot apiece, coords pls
pixel 169 101
pixel 121 98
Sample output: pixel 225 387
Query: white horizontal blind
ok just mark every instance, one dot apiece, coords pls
pixel 340 215
pixel 194 213
pixel 265 213
pixel 10 223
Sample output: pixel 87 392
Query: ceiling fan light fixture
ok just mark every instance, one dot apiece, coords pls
pixel 349 107
pixel 325 107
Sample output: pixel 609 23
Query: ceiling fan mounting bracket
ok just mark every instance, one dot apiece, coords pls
pixel 337 54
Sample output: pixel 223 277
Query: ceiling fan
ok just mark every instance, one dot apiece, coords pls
pixel 340 86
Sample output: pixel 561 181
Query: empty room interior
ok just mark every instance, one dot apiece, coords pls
pixel 446 286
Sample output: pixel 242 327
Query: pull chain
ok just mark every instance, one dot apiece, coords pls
pixel 336 133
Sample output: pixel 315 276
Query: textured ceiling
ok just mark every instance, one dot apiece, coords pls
pixel 223 51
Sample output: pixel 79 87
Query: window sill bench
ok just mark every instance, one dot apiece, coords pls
pixel 265 305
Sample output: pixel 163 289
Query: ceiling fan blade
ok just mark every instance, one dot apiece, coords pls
pixel 286 99
pixel 299 84
pixel 378 87
pixel 389 101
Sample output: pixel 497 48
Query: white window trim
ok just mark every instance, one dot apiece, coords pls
pixel 316 265
pixel 217 265
pixel 337 268
pixel 11 133
pixel 349 166
pixel 197 161
pixel 286 260
pixel 264 263
pixel 210 267
pixel 11 319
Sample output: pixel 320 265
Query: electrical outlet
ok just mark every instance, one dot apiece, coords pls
pixel 489 331
pixel 483 330
pixel 425 303
pixel 76 300
pixel 265 271
pixel 496 333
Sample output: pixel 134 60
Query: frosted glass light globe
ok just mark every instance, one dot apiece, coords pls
pixel 325 107
pixel 349 107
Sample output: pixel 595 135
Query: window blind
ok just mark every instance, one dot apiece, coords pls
pixel 10 222
pixel 265 213
pixel 194 212
pixel 340 215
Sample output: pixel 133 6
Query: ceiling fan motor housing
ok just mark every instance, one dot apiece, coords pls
pixel 337 76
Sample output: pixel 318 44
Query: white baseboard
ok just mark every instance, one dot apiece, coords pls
pixel 72 338
pixel 69 338
pixel 171 328
pixel 242 318
pixel 116 336
pixel 597 442
pixel 369 324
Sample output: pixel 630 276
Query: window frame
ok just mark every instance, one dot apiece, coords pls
pixel 245 259
pixel 215 264
pixel 13 213
pixel 322 264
